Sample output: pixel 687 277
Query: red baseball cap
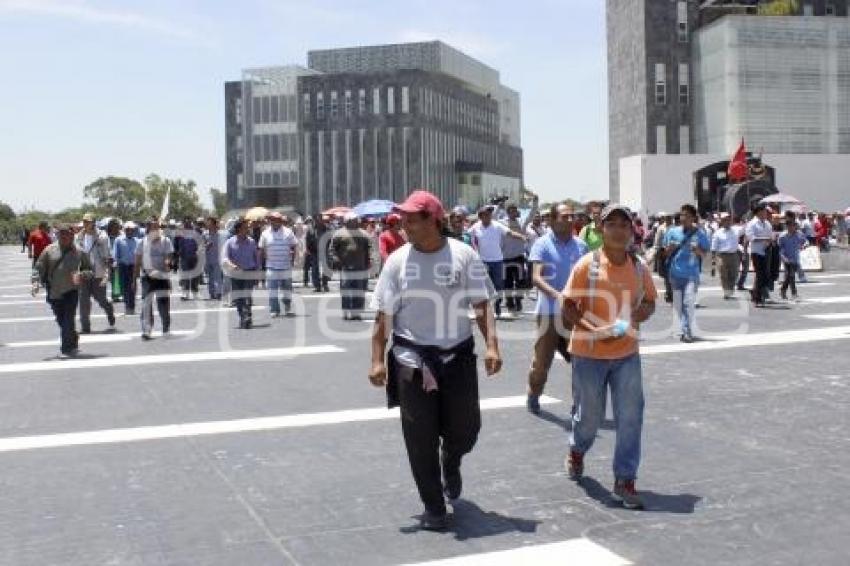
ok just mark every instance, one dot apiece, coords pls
pixel 422 201
pixel 393 219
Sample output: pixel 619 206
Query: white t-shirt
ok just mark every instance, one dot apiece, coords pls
pixel 428 295
pixel 278 245
pixel 489 240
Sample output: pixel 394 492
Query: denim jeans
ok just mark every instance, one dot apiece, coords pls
pixel 496 271
pixel 591 378
pixel 684 302
pixel 277 281
pixel 65 310
pixel 214 279
pixel 353 284
pixel 128 285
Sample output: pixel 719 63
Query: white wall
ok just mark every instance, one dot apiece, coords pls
pixel 655 183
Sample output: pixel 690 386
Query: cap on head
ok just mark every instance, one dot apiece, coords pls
pixel 88 217
pixel 422 201
pixel 129 225
pixel 614 209
pixel 275 215
pixel 393 219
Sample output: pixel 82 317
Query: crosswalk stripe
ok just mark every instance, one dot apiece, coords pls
pixel 827 300
pixel 92 339
pixel 721 342
pixel 161 432
pixel 829 316
pixel 580 551
pixel 170 359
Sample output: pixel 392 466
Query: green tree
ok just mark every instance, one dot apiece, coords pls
pixel 184 200
pixel 6 212
pixel 116 196
pixel 779 8
pixel 219 200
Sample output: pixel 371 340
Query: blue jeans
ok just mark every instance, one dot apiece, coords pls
pixel 128 285
pixel 684 302
pixel 591 378
pixel 496 271
pixel 215 279
pixel 278 280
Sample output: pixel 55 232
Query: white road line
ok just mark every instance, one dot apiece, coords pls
pixel 16 303
pixel 579 551
pixel 829 316
pixel 113 436
pixel 103 316
pixel 4 287
pixel 726 342
pixel 92 339
pixel 827 300
pixel 189 357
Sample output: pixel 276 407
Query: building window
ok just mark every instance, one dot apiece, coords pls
pixel 306 104
pixel 320 106
pixel 660 84
pixel 808 9
pixel 682 21
pixel 830 9
pixel 390 100
pixel 283 109
pixel 405 100
pixel 334 105
pixel 376 101
pixel 660 140
pixel 684 140
pixel 273 111
pixel 266 104
pixel 361 102
pixel 684 84
pixel 238 111
pixel 348 104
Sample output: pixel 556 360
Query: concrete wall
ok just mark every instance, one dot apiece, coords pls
pixel 654 183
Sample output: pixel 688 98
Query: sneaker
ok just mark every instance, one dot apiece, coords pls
pixel 533 404
pixel 85 331
pixel 575 465
pixel 275 315
pixel 146 336
pixel 687 338
pixel 110 318
pixel 289 313
pixel 625 493
pixel 434 521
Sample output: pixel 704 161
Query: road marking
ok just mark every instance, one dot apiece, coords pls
pixel 93 339
pixel 827 300
pixel 189 357
pixel 721 342
pixel 830 316
pixel 30 302
pixel 15 287
pixel 113 436
pixel 103 316
pixel 579 551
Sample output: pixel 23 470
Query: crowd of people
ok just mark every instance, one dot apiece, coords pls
pixel 591 270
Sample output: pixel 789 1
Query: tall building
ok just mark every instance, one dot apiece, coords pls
pixel 372 122
pixel 658 103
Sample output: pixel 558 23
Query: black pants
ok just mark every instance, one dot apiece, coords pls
pixel 790 278
pixel 664 272
pixel 65 310
pixel 515 282
pixel 761 264
pixel 309 260
pixel 745 270
pixel 452 414
pixel 242 298
pixel 353 284
pixel 128 286
pixel 155 290
pixel 189 279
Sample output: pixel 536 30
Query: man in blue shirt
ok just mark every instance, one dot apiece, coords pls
pixel 685 246
pixel 240 260
pixel 552 258
pixel 790 243
pixel 124 253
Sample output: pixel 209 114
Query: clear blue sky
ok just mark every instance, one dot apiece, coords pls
pixel 94 88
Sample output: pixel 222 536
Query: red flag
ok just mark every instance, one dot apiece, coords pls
pixel 738 170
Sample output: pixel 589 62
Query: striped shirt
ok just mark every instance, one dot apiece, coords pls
pixel 278 246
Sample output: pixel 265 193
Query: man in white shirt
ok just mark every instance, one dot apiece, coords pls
pixel 95 244
pixel 724 245
pixel 760 237
pixel 487 238
pixel 277 245
pixel 514 251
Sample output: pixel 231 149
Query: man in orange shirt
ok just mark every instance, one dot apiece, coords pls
pixel 609 294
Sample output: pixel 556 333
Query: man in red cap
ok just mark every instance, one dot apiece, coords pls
pixel 422 297
pixel 391 239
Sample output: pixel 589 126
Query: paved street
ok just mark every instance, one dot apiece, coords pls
pixel 219 446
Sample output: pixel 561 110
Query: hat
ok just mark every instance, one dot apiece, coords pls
pixel 486 208
pixel 64 227
pixel 461 210
pixel 88 217
pixel 275 215
pixel 393 219
pixel 422 201
pixel 614 208
pixel 130 224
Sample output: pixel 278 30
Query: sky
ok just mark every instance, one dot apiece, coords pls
pixel 92 88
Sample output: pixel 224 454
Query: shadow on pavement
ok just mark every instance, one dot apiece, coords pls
pixel 683 503
pixel 566 422
pixel 469 521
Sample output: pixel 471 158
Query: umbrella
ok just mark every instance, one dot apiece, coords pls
pixel 337 211
pixel 257 213
pixel 780 198
pixel 374 207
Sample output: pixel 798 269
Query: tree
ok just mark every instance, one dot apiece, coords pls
pixel 184 200
pixel 6 212
pixel 116 196
pixel 219 200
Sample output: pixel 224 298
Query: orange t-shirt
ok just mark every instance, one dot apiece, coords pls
pixel 614 296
